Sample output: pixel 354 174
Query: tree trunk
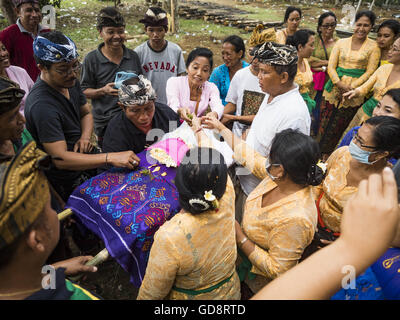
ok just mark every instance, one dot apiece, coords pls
pixel 172 7
pixel 8 11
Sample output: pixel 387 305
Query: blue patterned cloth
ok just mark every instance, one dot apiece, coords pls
pixel 367 287
pixel 220 77
pixel 125 208
pixel 46 50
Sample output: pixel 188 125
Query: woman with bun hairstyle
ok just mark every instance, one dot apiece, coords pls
pixel 193 255
pixel 292 20
pixel 303 40
pixel 280 216
pixel 373 144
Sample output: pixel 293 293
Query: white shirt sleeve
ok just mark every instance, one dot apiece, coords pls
pixel 172 90
pixel 215 100
pixel 232 95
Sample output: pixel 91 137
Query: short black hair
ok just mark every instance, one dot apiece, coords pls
pixel 200 52
pixel 289 10
pixel 395 94
pixel 290 69
pixel 299 37
pixel 298 154
pixel 366 13
pixel 392 24
pixel 386 135
pixel 237 42
pixel 201 170
pixel 55 37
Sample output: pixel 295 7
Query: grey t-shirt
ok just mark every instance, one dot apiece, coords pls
pixel 97 71
pixel 158 67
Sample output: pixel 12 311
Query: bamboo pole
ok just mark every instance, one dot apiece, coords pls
pixel 64 214
pixel 102 256
pixel 173 29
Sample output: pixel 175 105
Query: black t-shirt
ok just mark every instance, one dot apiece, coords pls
pixel 51 117
pixel 123 135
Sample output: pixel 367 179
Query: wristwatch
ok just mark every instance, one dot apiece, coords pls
pixel 324 68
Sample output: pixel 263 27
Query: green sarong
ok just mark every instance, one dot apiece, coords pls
pixel 244 268
pixel 310 102
pixel 370 105
pixel 206 290
pixel 354 73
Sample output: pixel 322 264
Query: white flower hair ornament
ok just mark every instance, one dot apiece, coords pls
pixel 322 165
pixel 208 195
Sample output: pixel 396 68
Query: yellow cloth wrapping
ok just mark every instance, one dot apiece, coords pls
pixel 280 231
pixel 367 58
pixel 304 79
pixel 281 36
pixel 194 252
pixel 23 194
pixel 335 188
pixel 261 35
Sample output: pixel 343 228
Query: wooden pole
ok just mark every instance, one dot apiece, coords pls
pixel 173 29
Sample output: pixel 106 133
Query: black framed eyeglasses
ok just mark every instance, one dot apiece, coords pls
pixel 356 138
pixel 75 69
pixel 327 26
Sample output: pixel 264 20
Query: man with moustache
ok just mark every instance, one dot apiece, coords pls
pixel 18 38
pixel 100 67
pixel 60 119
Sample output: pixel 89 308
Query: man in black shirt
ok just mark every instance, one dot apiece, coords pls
pixel 142 122
pixel 60 119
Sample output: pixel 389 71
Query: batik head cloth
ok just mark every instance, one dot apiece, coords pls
pixel 24 192
pixel 106 20
pixel 155 17
pixel 46 50
pixel 136 91
pixel 10 95
pixel 17 3
pixel 276 54
pixel 261 35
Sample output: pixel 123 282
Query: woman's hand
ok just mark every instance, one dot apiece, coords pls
pixel 184 114
pixel 75 265
pixel 83 145
pixel 371 217
pixel 351 94
pixel 196 124
pixel 213 124
pixel 343 87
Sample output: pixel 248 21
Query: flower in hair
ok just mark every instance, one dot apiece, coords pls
pixel 209 196
pixel 322 165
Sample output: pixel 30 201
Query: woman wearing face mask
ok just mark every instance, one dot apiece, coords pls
pixel 280 217
pixel 386 77
pixel 303 40
pixel 353 60
pixel 376 141
pixel 292 20
pixel 193 93
pixel 388 31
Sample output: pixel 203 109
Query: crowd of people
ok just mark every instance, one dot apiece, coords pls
pixel 313 122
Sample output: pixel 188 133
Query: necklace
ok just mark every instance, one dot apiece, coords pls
pixel 19 292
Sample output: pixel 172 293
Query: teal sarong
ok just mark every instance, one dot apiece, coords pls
pixel 370 105
pixel 309 102
pixel 244 268
pixel 197 292
pixel 354 73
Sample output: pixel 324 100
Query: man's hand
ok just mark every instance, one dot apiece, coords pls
pixel 213 123
pixel 83 145
pixel 126 159
pixel 75 265
pixel 371 217
pixel 109 89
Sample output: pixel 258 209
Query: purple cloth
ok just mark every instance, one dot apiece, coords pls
pixel 125 208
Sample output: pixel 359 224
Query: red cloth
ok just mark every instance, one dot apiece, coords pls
pixel 20 47
pixel 319 79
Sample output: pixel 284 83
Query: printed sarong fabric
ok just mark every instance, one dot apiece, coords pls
pixel 125 208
